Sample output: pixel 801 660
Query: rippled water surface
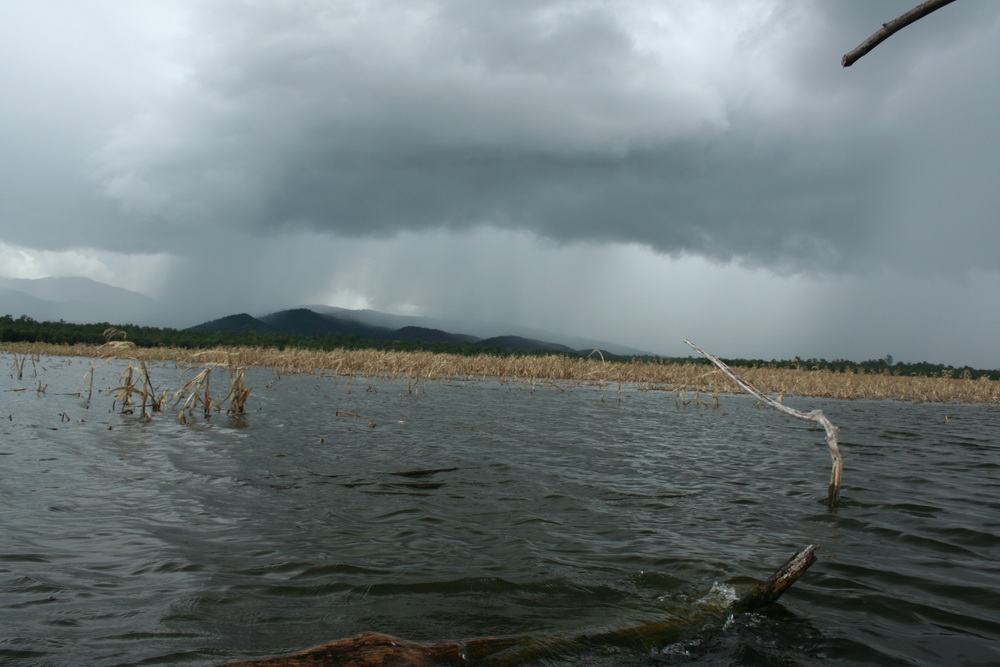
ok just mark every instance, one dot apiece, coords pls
pixel 550 513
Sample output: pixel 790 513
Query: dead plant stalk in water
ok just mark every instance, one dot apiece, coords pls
pixel 238 392
pixel 197 390
pixel 134 381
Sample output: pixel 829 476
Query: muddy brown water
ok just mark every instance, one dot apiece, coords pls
pixel 543 513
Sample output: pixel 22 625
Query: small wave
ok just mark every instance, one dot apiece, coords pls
pixel 719 596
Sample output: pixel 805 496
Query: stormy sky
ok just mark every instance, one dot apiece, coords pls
pixel 632 170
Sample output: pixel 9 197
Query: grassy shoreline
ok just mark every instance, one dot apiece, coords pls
pixel 672 376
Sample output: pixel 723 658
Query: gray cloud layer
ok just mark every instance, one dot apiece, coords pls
pixel 574 120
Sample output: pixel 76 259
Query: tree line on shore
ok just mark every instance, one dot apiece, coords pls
pixel 28 330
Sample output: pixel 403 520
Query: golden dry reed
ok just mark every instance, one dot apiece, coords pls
pixel 673 376
pixel 135 381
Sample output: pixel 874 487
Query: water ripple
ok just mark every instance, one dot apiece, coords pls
pixel 483 509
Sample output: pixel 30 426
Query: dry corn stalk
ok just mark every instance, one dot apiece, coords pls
pixel 238 392
pixel 197 391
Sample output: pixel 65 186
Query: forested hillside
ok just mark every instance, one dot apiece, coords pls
pixel 25 329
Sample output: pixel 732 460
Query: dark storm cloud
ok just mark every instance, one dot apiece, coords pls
pixel 728 131
pixel 554 117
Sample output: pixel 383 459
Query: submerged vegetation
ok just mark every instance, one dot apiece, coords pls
pixel 135 389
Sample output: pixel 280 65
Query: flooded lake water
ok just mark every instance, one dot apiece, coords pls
pixel 547 513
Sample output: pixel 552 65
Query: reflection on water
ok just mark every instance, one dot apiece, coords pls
pixel 544 512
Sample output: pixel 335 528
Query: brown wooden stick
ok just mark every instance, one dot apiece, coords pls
pixel 887 29
pixel 833 492
pixel 786 575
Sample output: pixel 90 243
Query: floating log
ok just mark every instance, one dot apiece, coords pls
pixel 373 649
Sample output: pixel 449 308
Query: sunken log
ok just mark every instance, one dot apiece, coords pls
pixel 372 649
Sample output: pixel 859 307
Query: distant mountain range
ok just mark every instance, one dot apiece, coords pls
pixel 82 300
pixel 307 322
pixel 476 328
pixel 79 300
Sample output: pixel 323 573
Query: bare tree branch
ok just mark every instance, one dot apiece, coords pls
pixel 836 473
pixel 887 29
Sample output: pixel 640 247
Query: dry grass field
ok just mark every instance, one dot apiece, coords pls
pixel 676 376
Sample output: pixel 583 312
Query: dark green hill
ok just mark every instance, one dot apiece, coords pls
pixel 304 322
pixel 425 335
pixel 523 344
pixel 241 323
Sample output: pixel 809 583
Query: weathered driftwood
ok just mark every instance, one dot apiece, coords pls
pixel 372 649
pixel 887 29
pixel 814 416
pixel 786 575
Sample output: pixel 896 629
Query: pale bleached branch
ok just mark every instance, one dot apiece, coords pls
pixel 814 416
